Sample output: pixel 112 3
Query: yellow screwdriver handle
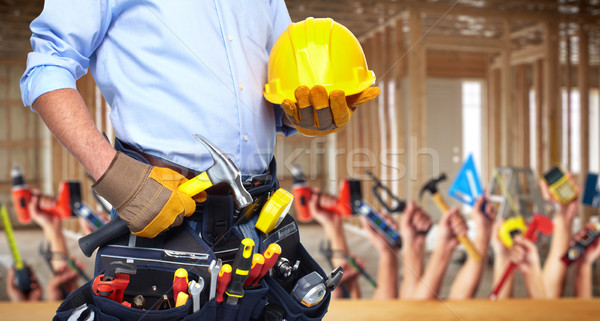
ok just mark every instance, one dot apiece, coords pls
pixel 196 184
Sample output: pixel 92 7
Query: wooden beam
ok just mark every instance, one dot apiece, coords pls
pixel 456 64
pixel 416 104
pixel 507 118
pixel 397 111
pixel 552 109
pixel 568 85
pixel 524 32
pixel 522 113
pixel 463 43
pixel 527 55
pixel 583 83
pixel 538 87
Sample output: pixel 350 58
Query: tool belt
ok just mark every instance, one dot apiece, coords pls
pixel 208 234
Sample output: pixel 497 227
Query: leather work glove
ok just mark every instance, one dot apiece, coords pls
pixel 317 114
pixel 145 196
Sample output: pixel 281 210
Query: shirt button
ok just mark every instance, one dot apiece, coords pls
pixel 245 138
pixel 230 37
pixel 241 86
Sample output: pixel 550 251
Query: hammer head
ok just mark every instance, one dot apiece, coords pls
pixel 224 170
pixel 431 185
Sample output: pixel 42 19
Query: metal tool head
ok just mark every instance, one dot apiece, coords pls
pixel 118 267
pixel 224 170
pixel 431 185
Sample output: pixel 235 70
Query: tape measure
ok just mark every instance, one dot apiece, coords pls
pixel 274 210
pixel 509 228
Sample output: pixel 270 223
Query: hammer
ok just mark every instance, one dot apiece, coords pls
pixel 223 170
pixel 431 186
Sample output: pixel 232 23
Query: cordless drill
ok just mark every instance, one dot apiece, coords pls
pixel 69 193
pixel 303 192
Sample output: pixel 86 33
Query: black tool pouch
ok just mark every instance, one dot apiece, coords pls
pixel 204 237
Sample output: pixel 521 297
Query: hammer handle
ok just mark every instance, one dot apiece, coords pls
pixel 117 227
pixel 440 202
pixel 463 239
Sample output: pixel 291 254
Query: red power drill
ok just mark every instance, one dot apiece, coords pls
pixel 114 281
pixel 303 192
pixel 68 194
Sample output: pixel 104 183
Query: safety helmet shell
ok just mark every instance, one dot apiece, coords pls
pixel 316 52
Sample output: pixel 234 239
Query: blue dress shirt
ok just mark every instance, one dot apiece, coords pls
pixel 168 69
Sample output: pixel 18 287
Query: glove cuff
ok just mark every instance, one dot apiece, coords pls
pixel 122 181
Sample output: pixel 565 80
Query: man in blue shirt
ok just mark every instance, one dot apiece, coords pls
pixel 168 70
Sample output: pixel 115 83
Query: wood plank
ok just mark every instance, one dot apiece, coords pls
pixel 552 106
pixel 416 105
pixel 508 137
pixel 463 43
pixel 583 83
pixel 568 85
pixel 398 120
pixel 344 309
pixel 466 310
pixel 538 82
pixel 455 64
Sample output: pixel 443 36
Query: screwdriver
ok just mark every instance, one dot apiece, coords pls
pixel 241 265
pixel 22 276
pixel 271 254
pixel 223 281
pixel 257 263
pixel 180 282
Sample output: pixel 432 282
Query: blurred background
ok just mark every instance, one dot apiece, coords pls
pixel 512 83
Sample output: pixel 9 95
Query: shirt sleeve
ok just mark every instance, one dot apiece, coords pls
pixel 64 37
pixel 281 21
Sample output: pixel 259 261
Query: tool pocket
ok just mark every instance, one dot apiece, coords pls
pixel 152 282
pixel 251 305
pixel 79 305
pixel 280 290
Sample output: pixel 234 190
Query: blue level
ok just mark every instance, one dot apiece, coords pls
pixel 380 225
pixel 591 195
pixel 466 187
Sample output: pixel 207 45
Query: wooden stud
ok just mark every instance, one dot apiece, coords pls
pixel 568 85
pixel 416 104
pixel 398 120
pixel 508 137
pixel 583 83
pixel 552 105
pixel 538 81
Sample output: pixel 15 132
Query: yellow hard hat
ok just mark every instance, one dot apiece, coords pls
pixel 316 52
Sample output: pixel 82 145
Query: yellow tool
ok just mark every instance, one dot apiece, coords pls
pixel 274 210
pixel 242 263
pixel 182 299
pixel 316 52
pixel 561 186
pixel 509 227
pixel 431 186
pixel 22 276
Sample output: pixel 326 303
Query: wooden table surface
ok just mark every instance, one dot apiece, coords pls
pixel 516 309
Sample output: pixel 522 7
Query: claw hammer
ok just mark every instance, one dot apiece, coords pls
pixel 431 187
pixel 223 170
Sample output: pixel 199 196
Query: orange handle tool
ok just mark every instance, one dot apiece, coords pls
pixel 258 260
pixel 223 281
pixel 271 255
